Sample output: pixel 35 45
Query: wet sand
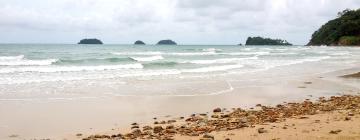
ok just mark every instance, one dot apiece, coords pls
pixel 61 119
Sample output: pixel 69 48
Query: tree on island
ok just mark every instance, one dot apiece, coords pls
pixel 139 42
pixel 265 41
pixel 90 41
pixel 166 42
pixel 344 30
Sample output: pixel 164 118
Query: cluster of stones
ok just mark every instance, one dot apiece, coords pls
pixel 223 120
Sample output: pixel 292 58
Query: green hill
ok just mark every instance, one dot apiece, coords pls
pixel 344 30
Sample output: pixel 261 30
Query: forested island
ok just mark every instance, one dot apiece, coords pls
pixel 266 41
pixel 166 42
pixel 90 41
pixel 139 42
pixel 342 31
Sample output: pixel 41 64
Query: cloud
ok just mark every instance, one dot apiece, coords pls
pixel 187 21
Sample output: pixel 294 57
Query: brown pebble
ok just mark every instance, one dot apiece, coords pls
pixel 208 136
pixel 335 131
pixel 351 114
pixel 347 118
pixel 262 130
pixel 158 129
pixel 217 110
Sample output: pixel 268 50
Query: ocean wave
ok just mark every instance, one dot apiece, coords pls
pixel 246 53
pixel 147 59
pixel 165 53
pixel 213 68
pixel 211 50
pixel 21 61
pixel 137 53
pixel 49 69
pixel 220 61
pixel 92 60
pixel 165 64
pixel 191 53
pixel 18 57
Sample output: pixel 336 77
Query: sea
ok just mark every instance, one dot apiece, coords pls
pixel 65 71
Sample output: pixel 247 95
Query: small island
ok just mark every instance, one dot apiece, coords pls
pixel 166 42
pixel 90 41
pixel 342 31
pixel 139 42
pixel 266 41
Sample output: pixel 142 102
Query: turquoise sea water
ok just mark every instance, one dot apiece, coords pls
pixel 29 63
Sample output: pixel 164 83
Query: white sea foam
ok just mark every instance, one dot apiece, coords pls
pixel 213 68
pixel 21 61
pixel 24 62
pixel 137 53
pixel 69 68
pixel 164 53
pixel 220 61
pixel 211 50
pixel 147 59
pixel 246 53
pixel 19 57
pixel 192 53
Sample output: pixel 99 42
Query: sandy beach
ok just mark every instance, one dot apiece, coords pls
pixel 179 70
pixel 335 118
pixel 65 119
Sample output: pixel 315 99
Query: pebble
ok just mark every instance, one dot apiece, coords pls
pixel 208 136
pixel 147 128
pixel 350 114
pixel 347 118
pixel 262 130
pixel 158 129
pixel 200 124
pixel 335 131
pixel 136 132
pixel 217 110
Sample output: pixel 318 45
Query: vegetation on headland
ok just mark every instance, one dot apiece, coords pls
pixel 344 30
pixel 90 41
pixel 265 41
pixel 166 42
pixel 139 42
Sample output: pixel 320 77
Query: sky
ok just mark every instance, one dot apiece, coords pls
pixel 184 21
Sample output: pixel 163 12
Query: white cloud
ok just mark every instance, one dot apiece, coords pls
pixel 186 21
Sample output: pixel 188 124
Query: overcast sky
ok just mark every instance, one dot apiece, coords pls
pixel 185 21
